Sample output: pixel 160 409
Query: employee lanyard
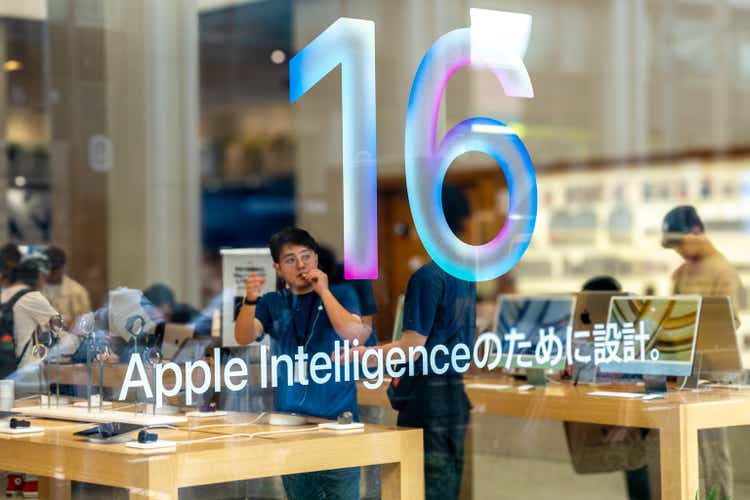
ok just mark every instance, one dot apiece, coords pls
pixel 310 325
pixel 309 330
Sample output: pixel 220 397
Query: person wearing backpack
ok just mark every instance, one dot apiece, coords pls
pixel 28 310
pixel 22 309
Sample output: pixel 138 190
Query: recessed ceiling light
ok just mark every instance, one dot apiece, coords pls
pixel 20 181
pixel 12 65
pixel 278 56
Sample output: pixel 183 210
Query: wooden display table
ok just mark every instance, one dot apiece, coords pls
pixel 58 457
pixel 678 418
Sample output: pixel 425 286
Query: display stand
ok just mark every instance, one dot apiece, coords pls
pixel 56 326
pixel 655 384
pixel 536 376
pixel 717 342
pixel 693 381
pixel 22 431
pixel 89 375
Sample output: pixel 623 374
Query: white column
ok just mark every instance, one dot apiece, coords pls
pixel 667 87
pixel 3 122
pixel 722 84
pixel 154 183
pixel 617 91
pixel 75 88
pixel 641 60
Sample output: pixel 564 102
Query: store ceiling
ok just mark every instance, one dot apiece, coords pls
pixel 236 41
pixel 235 51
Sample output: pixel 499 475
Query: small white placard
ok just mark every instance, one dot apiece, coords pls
pixel 20 431
pixel 333 426
pixel 205 414
pixel 236 264
pixel 161 444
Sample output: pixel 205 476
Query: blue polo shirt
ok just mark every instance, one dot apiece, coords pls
pixel 365 298
pixel 442 308
pixel 300 320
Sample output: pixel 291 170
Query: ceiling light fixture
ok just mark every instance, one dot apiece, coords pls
pixel 12 65
pixel 278 56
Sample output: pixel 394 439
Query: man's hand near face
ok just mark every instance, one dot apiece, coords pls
pixel 318 279
pixel 347 325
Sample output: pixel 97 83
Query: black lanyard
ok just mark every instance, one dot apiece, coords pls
pixel 310 321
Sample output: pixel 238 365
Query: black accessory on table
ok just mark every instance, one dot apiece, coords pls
pixel 111 432
pixel 17 423
pixel 147 437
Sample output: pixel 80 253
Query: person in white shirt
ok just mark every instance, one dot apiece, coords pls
pixel 32 310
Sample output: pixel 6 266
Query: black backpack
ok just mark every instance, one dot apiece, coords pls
pixel 8 360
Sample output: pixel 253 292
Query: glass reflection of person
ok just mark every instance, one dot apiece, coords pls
pixel 705 271
pixel 310 315
pixel 439 309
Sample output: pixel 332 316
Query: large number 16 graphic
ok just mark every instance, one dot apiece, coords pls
pixel 495 41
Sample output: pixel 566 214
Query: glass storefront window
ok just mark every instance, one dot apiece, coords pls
pixel 374 249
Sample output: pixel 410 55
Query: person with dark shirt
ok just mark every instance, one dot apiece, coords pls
pixel 439 309
pixel 306 314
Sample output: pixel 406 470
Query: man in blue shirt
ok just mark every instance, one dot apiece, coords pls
pixel 308 314
pixel 439 309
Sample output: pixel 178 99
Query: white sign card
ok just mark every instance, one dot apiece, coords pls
pixel 236 264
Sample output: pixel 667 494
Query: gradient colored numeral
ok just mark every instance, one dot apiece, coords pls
pixel 350 43
pixel 495 41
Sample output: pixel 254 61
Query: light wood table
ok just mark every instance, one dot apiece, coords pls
pixel 678 418
pixel 58 457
